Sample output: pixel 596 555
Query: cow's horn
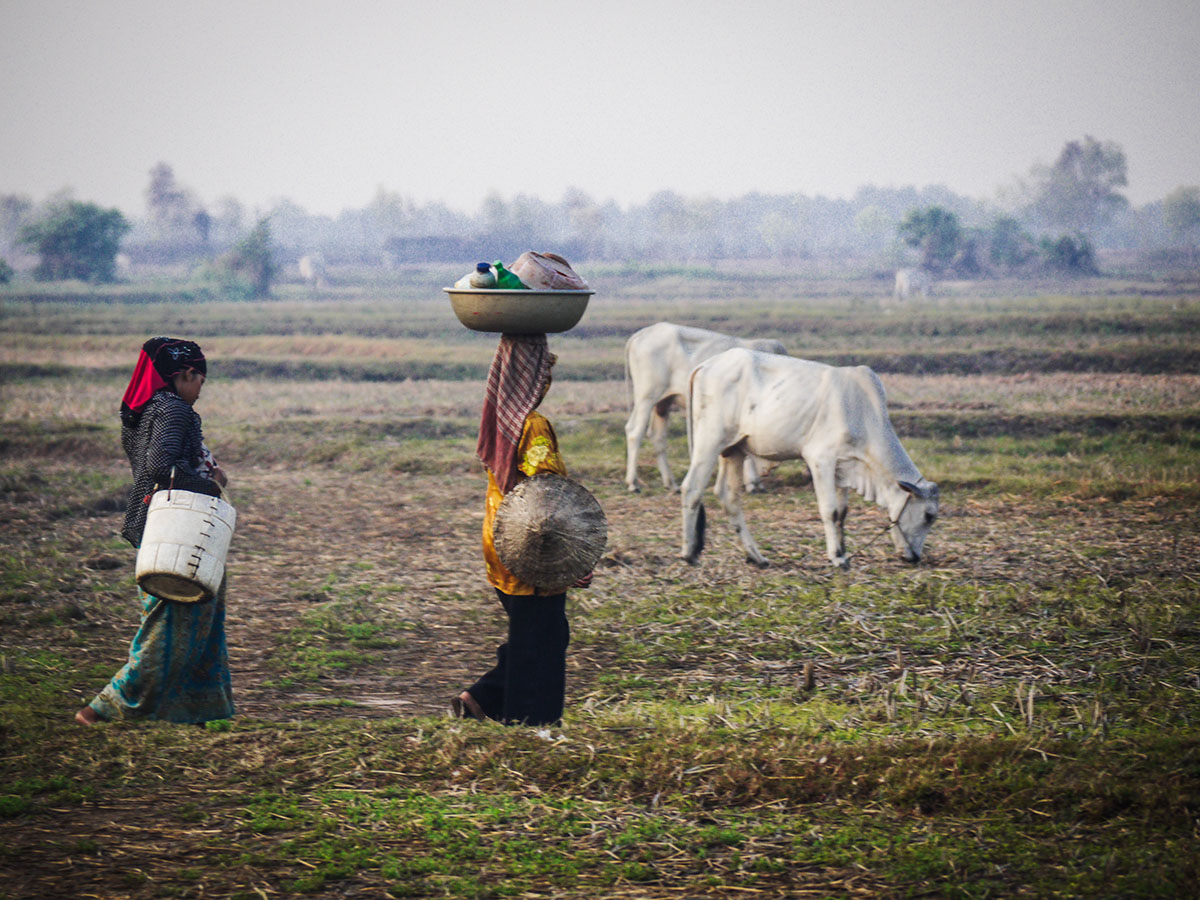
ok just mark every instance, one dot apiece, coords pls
pixel 912 489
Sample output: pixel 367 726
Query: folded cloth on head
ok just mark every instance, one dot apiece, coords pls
pixel 547 272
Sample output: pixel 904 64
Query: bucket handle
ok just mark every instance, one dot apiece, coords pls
pixel 223 492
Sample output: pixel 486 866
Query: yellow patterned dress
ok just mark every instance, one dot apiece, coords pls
pixel 536 453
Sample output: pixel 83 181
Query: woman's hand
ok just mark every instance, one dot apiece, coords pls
pixel 584 581
pixel 219 476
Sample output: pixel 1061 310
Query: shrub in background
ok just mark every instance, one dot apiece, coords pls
pixel 249 269
pixel 1069 255
pixel 76 240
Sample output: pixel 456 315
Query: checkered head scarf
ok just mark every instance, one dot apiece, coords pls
pixel 519 374
pixel 161 359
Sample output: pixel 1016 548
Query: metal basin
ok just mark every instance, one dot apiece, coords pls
pixel 518 312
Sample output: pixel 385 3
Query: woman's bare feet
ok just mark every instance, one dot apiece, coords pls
pixel 87 716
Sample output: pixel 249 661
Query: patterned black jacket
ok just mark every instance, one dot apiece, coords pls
pixel 168 434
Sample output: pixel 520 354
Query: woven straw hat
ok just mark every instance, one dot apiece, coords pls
pixel 549 532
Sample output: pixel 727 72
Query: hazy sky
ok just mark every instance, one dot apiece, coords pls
pixel 448 100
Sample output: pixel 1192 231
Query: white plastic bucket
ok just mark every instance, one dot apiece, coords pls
pixel 182 555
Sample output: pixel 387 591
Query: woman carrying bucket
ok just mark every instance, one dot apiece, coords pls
pixel 178 668
pixel 528 683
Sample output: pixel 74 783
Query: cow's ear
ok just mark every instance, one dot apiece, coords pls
pixel 911 488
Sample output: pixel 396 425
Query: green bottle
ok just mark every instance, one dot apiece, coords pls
pixel 507 280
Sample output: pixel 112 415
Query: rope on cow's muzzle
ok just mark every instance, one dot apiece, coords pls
pixel 894 523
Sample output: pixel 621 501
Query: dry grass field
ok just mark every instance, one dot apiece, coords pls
pixel 1015 717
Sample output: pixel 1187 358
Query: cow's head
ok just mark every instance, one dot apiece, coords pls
pixel 915 516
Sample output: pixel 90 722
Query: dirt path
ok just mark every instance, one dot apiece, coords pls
pixel 409 545
pixel 410 548
pixel 403 552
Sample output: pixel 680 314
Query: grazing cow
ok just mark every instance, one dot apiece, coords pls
pixel 911 281
pixel 658 359
pixel 835 419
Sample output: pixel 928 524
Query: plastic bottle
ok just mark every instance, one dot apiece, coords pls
pixel 482 277
pixel 507 280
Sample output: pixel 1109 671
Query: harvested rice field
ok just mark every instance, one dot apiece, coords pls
pixel 1017 716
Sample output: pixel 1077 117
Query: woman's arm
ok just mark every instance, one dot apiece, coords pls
pixel 539 449
pixel 168 433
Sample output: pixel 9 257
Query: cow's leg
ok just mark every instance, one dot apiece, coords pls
pixel 752 474
pixel 635 430
pixel 704 460
pixel 843 507
pixel 829 506
pixel 658 436
pixel 730 473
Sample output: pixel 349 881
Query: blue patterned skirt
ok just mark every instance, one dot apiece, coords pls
pixel 178 668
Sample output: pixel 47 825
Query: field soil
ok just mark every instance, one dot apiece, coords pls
pixel 411 544
pixel 1017 716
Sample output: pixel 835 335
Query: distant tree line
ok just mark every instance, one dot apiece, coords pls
pixel 1055 218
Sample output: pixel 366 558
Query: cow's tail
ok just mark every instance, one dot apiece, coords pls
pixel 691 411
pixel 697 543
pixel 628 382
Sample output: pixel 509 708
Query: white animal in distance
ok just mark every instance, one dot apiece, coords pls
pixel 834 418
pixel 312 270
pixel 911 281
pixel 658 360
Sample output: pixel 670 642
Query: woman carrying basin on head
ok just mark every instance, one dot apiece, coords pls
pixel 178 668
pixel 528 683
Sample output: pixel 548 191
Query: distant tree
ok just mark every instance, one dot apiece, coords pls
pixel 6 272
pixel 1181 212
pixel 1010 246
pixel 936 233
pixel 173 209
pixel 1069 254
pixel 202 222
pixel 169 204
pixel 873 225
pixel 76 240
pixel 1080 191
pixel 15 211
pixel 585 222
pixel 228 220
pixel 389 214
pixel 966 258
pixel 250 267
pixel 783 235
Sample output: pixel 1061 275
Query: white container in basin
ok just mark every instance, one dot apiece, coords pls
pixel 518 312
pixel 182 554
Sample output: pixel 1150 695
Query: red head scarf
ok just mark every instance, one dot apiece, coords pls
pixel 161 359
pixel 516 381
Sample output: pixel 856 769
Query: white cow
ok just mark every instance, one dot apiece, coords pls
pixel 835 419
pixel 658 359
pixel 911 281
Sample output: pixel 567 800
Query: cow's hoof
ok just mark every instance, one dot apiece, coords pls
pixel 843 563
pixel 758 563
pixel 633 489
pixel 690 560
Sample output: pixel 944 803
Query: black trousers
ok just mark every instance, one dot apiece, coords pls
pixel 528 683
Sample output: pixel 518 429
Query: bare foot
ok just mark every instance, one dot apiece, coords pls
pixel 87 716
pixel 465 706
